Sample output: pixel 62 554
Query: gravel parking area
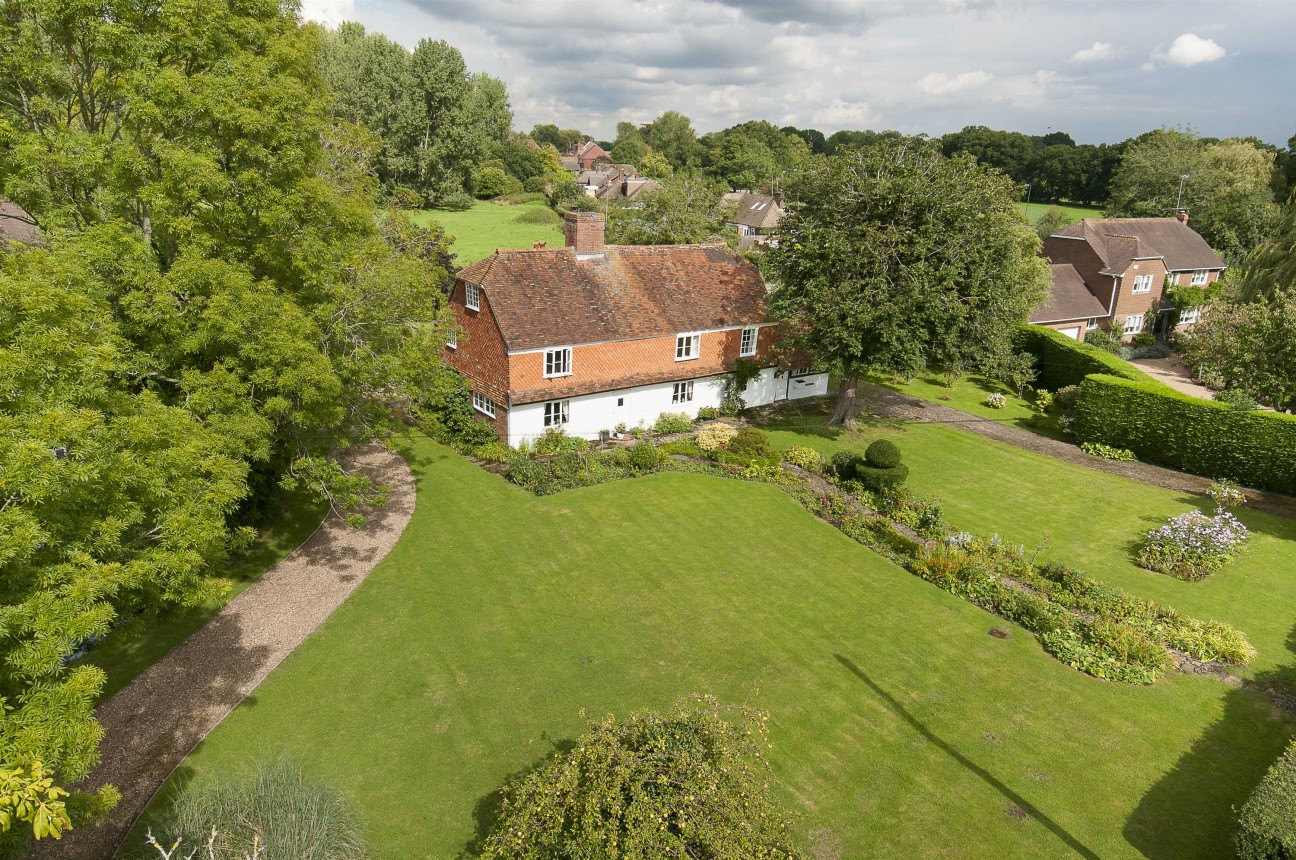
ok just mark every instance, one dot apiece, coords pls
pixel 155 721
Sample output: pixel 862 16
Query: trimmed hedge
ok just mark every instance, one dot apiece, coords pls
pixel 1267 823
pixel 1163 426
pixel 1061 361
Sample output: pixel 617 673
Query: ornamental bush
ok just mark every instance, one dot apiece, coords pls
pixel 996 401
pixel 882 454
pixel 844 463
pixel 1257 449
pixel 752 444
pixel 643 457
pixel 708 413
pixel 1267 823
pixel 805 457
pixel 879 480
pixel 713 437
pixel 1192 546
pixel 1062 361
pixel 673 422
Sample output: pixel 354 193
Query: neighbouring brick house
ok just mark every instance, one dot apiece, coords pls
pixel 591 336
pixel 1127 265
pixel 588 155
pixel 755 217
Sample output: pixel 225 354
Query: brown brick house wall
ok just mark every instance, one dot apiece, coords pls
pixel 1129 303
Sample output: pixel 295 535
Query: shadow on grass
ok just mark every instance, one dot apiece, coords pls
pixel 487 809
pixel 1191 810
pixel 1022 803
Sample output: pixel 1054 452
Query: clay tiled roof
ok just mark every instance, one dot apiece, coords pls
pixel 1118 241
pixel 548 297
pixel 1069 299
pixel 17 227
pixel 758 211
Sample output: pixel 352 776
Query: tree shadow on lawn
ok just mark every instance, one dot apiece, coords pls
pixel 487 809
pixel 1016 799
pixel 1191 810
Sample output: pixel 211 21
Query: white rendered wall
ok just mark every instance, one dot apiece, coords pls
pixel 590 413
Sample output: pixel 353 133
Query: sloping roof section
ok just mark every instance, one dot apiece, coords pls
pixel 17 227
pixel 1118 241
pixel 1069 298
pixel 547 297
pixel 758 211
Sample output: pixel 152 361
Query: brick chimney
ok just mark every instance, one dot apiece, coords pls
pixel 1182 215
pixel 584 232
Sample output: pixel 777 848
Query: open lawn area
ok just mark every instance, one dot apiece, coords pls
pixel 1035 211
pixel 969 393
pixel 899 727
pixel 478 231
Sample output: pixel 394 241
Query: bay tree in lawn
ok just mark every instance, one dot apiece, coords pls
pixel 896 259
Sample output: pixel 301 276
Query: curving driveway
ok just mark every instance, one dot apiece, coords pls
pixel 156 720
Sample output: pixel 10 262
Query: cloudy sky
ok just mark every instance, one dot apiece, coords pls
pixel 1100 70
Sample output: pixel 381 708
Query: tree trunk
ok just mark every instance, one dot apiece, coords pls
pixel 844 414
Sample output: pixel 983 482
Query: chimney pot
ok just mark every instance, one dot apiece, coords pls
pixel 584 233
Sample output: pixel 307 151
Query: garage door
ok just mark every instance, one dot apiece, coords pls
pixel 1073 332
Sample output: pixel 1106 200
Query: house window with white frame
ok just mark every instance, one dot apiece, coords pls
pixel 1091 323
pixel 1200 277
pixel 452 339
pixel 483 404
pixel 1142 283
pixel 557 413
pixel 748 344
pixel 1188 316
pixel 558 362
pixel 1133 323
pixel 472 297
pixel 687 346
pixel 682 392
pixel 802 371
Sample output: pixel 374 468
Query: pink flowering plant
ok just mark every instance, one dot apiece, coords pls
pixel 1193 545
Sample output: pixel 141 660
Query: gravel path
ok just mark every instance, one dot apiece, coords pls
pixel 155 721
pixel 886 403
pixel 1172 372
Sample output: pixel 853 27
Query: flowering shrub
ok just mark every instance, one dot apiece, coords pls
pixel 1107 452
pixel 1192 545
pixel 1226 494
pixel 708 413
pixel 805 457
pixel 996 401
pixel 713 437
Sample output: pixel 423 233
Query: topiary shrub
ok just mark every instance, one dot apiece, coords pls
pixel 752 444
pixel 878 480
pixel 882 454
pixel 1267 823
pixel 844 463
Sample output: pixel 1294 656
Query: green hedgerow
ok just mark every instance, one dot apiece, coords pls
pixel 1267 823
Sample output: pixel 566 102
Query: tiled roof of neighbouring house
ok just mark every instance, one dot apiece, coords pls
pixel 17 227
pixel 758 211
pixel 548 297
pixel 1118 241
pixel 1069 298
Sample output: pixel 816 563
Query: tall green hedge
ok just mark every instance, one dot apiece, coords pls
pixel 1164 426
pixel 1267 823
pixel 1062 361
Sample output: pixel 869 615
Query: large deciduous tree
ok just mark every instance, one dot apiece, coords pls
pixel 689 783
pixel 685 209
pixel 895 258
pixel 1227 189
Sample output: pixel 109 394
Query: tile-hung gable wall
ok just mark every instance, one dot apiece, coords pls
pixel 479 353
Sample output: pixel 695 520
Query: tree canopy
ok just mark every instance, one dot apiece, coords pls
pixel 685 209
pixel 895 258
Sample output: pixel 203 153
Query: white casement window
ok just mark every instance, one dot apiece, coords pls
pixel 802 371
pixel 1200 277
pixel 748 345
pixel 1133 323
pixel 1188 316
pixel 558 362
pixel 1142 283
pixel 1092 323
pixel 682 392
pixel 452 340
pixel 687 346
pixel 557 413
pixel 483 404
pixel 472 297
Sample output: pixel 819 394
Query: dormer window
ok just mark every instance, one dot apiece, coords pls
pixel 1142 283
pixel 558 362
pixel 472 297
pixel 687 346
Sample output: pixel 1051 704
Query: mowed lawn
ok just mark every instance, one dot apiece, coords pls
pixel 478 231
pixel 899 727
pixel 1035 211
